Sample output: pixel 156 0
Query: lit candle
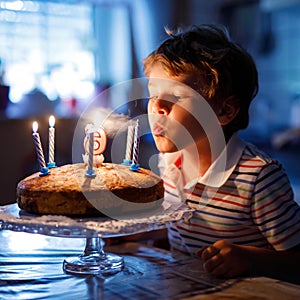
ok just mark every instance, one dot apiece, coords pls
pixel 130 135
pixel 134 165
pixel 39 151
pixel 90 172
pixel 51 163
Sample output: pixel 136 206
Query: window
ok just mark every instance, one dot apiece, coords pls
pixel 48 45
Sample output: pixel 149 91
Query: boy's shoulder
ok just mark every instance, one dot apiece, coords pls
pixel 253 156
pixel 255 163
pixel 252 151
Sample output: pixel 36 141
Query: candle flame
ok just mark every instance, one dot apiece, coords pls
pixel 51 121
pixel 35 126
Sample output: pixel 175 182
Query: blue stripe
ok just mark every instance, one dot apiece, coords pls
pixel 241 180
pixel 269 184
pixel 283 222
pixel 252 153
pixel 277 217
pixel 175 236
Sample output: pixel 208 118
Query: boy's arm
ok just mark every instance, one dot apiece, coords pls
pixel 229 260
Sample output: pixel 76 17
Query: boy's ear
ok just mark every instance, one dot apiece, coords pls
pixel 228 110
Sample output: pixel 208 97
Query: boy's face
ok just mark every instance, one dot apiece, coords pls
pixel 176 111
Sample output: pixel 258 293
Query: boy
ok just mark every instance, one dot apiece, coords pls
pixel 245 219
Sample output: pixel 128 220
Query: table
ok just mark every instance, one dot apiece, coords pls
pixel 31 268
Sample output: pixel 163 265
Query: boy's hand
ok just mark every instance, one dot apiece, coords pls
pixel 225 259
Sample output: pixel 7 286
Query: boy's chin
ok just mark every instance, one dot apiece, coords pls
pixel 164 145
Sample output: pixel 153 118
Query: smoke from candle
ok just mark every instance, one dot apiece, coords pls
pixel 110 121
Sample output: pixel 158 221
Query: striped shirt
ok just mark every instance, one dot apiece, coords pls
pixel 252 205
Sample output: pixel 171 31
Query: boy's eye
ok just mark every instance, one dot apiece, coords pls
pixel 170 98
pixel 153 97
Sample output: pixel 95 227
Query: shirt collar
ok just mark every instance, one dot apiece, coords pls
pixel 220 170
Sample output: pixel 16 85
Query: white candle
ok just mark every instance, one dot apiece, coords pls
pixel 135 154
pixel 90 171
pixel 51 141
pixel 129 144
pixel 91 150
pixel 38 147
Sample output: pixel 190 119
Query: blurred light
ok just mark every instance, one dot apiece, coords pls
pixel 84 90
pixel 48 88
pixel 15 94
pixel 14 5
pixel 31 6
pixel 84 64
pixel 270 5
pixel 64 79
pixel 9 16
pixel 36 61
pixel 21 80
pixel 26 241
pixel 59 70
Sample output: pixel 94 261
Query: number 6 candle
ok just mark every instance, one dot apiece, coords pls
pixel 51 163
pixel 39 151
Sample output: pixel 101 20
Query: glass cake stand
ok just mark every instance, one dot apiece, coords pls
pixel 93 260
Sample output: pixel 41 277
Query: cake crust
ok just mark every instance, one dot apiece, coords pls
pixel 67 191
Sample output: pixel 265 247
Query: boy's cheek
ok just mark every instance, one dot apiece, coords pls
pixel 149 106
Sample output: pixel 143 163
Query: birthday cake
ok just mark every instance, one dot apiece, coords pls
pixel 92 187
pixel 115 190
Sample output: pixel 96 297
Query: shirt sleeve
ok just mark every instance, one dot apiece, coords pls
pixel 274 210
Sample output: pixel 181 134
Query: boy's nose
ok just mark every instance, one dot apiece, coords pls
pixel 160 106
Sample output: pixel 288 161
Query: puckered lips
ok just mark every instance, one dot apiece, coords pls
pixel 157 129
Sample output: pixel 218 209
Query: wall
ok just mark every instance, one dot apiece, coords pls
pixel 17 152
pixel 280 69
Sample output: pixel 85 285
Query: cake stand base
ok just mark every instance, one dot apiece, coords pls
pixel 94 260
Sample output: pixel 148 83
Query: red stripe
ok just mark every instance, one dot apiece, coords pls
pixel 249 166
pixel 200 188
pixel 262 165
pixel 169 185
pixel 251 159
pixel 214 229
pixel 270 203
pixel 286 237
pixel 271 211
pixel 222 200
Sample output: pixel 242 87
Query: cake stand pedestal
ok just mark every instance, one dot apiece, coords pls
pixel 94 260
